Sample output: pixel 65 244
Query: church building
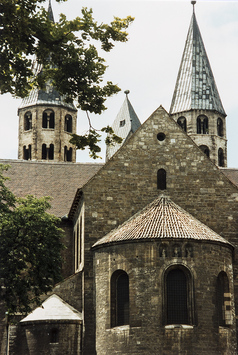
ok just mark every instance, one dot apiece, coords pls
pixel 151 263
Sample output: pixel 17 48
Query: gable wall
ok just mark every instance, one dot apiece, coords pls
pixel 128 182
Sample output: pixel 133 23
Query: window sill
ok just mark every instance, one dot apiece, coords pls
pixel 179 326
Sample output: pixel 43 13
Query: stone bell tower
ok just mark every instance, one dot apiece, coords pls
pixel 46 123
pixel 196 105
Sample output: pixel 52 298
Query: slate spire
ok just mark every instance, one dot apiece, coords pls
pixel 125 124
pixel 50 12
pixel 195 87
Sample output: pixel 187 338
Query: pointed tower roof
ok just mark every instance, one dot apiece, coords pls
pixel 195 87
pixel 49 96
pixel 126 123
pixel 50 12
pixel 162 219
pixel 54 308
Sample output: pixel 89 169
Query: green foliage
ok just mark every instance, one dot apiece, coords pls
pixel 65 50
pixel 30 249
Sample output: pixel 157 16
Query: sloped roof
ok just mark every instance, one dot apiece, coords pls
pixel 53 308
pixel 126 123
pixel 195 87
pixel 58 180
pixel 49 96
pixel 231 174
pixel 161 219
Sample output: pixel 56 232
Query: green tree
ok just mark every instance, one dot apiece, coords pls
pixel 30 249
pixel 65 50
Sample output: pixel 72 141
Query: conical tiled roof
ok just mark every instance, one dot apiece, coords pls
pixel 195 87
pixel 124 125
pixel 162 219
pixel 54 308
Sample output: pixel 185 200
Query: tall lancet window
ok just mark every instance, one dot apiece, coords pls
pixel 220 157
pixel 161 179
pixel 119 298
pixel 219 127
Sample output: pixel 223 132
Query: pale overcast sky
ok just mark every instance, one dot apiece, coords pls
pixel 148 63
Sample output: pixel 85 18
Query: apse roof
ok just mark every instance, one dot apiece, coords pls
pixel 195 87
pixel 126 123
pixel 53 308
pixel 161 219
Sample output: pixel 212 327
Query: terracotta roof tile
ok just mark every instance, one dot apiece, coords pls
pixel 159 220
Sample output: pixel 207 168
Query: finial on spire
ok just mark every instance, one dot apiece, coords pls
pixel 193 3
pixel 127 92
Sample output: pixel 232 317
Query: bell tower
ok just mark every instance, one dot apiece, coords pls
pixel 196 105
pixel 46 123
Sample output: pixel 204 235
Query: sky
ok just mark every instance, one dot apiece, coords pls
pixel 148 63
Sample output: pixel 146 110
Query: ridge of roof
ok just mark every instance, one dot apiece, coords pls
pixel 161 219
pixel 195 86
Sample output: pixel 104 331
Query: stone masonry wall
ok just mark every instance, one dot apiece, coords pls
pixel 128 182
pixel 147 332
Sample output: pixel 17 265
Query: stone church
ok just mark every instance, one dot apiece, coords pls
pixel 151 263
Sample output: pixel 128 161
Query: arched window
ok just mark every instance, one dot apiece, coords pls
pixel 202 125
pixel 68 154
pixel 219 127
pixel 183 123
pixel 223 295
pixel 27 121
pixel 51 152
pixel 178 297
pixel 119 298
pixel 161 179
pixel 205 150
pixel 220 157
pixel 54 335
pixel 48 119
pixel 27 152
pixel 44 152
pixel 68 123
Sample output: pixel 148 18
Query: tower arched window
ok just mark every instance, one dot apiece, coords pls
pixel 161 179
pixel 44 152
pixel 224 311
pixel 68 123
pixel 202 125
pixel 219 127
pixel 220 157
pixel 205 150
pixel 68 153
pixel 178 297
pixel 27 152
pixel 119 298
pixel 48 119
pixel 27 121
pixel 51 152
pixel 183 123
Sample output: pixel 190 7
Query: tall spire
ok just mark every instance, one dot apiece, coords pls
pixel 50 12
pixel 125 124
pixel 195 87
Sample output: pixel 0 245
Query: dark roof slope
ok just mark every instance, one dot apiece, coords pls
pixel 162 219
pixel 231 174
pixel 58 180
